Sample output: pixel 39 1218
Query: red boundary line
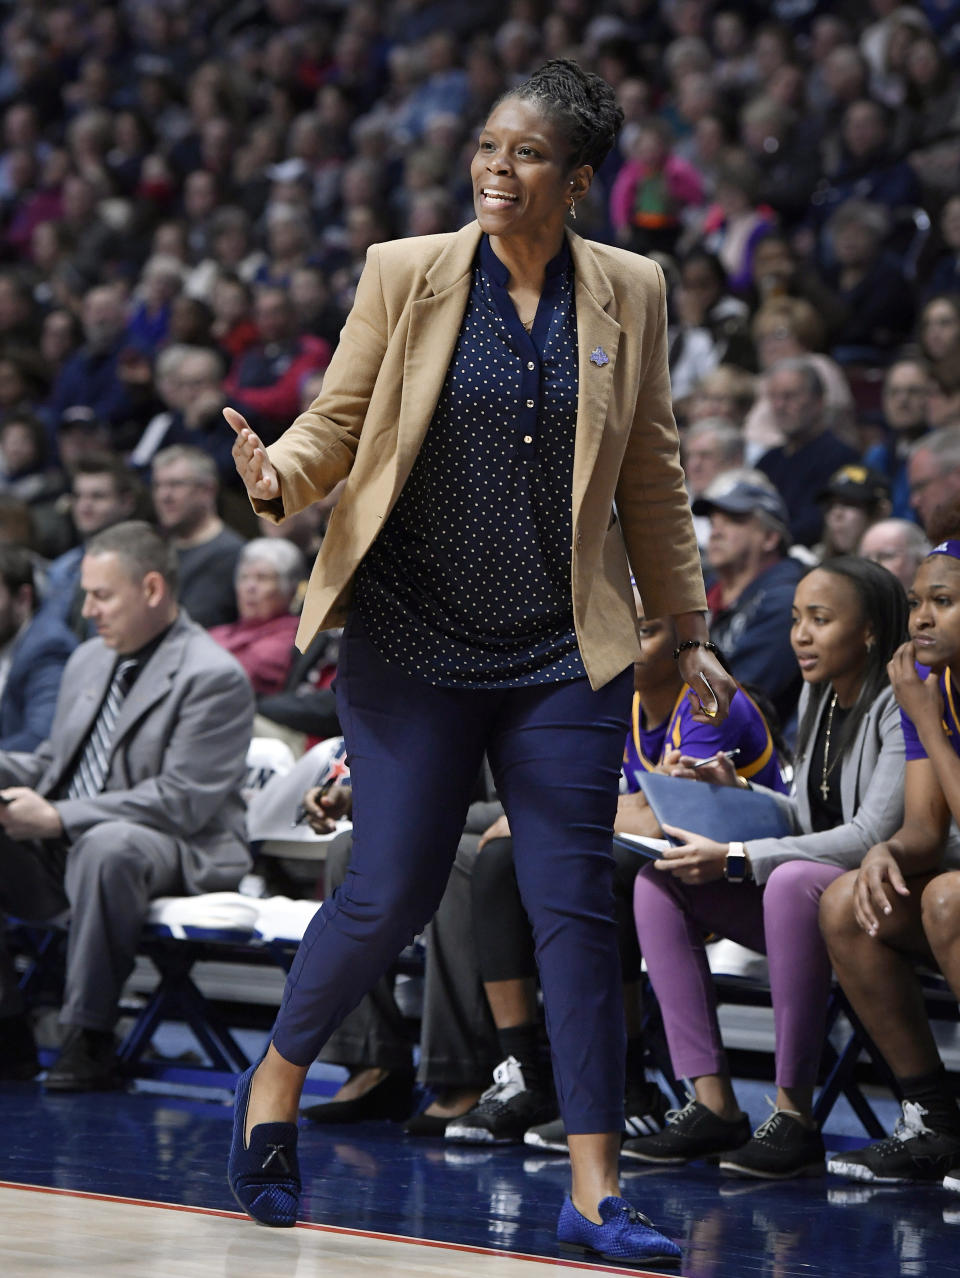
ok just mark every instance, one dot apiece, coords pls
pixel 331 1229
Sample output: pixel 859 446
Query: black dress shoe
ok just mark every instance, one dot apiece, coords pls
pixel 427 1125
pixel 391 1098
pixel 87 1063
pixel 18 1049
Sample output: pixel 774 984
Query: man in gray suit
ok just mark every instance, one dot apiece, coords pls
pixel 136 794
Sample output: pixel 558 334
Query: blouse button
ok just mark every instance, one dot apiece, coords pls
pixel 529 403
pixel 531 365
pixel 528 439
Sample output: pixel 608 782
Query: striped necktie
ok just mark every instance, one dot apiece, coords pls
pixel 91 770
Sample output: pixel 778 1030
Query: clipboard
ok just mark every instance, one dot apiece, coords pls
pixel 719 812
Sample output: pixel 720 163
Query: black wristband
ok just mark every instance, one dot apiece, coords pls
pixel 694 643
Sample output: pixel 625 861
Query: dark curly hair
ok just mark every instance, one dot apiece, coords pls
pixel 583 105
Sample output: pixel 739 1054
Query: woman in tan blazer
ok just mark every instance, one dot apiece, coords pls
pixel 499 405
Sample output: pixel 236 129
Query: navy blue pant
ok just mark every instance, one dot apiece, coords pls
pixel 415 752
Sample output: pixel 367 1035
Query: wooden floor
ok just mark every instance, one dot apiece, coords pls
pixel 46 1232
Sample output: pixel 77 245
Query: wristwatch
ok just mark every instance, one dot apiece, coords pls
pixel 736 865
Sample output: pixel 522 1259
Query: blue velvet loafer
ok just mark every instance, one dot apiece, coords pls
pixel 626 1235
pixel 264 1175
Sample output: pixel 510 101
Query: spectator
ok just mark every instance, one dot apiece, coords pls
pixel 853 500
pixel 708 448
pixel 898 545
pixel 184 487
pixel 652 191
pixel 113 809
pixel 33 652
pixel 810 453
pixel 866 167
pixel 939 334
pixel 790 328
pixel 779 273
pixel 79 433
pixel 270 571
pixel 189 382
pixel 906 388
pixel 92 378
pixel 727 392
pixel 265 379
pixel 24 473
pixel 869 282
pixel 849 618
pixel 736 224
pixel 103 492
pixel 754 578
pixel 708 326
pixel 933 469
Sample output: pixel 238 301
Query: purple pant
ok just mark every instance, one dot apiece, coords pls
pixel 780 920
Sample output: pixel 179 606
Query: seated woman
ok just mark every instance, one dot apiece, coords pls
pixel 903 904
pixel 519 1106
pixel 849 616
pixel 268 576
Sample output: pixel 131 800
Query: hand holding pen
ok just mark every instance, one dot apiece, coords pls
pixel 323 806
pixel 718 768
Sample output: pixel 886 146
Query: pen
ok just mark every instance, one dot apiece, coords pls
pixel 301 811
pixel 702 763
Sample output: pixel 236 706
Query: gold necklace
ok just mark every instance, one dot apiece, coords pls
pixel 824 782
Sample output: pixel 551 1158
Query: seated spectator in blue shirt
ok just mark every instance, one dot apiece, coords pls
pixel 103 492
pixel 34 647
pixel 869 281
pixel 906 386
pixel 810 454
pixel 751 597
pixel 866 167
pixel 93 376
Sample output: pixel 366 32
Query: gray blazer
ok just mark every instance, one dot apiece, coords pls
pixel 178 754
pixel 871 793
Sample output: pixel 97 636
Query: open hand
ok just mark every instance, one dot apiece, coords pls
pixel 250 458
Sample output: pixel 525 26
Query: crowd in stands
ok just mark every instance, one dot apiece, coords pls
pixel 187 194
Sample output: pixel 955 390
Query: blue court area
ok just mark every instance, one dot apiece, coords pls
pixel 169 1145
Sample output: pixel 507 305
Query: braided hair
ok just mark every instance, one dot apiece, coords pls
pixel 583 105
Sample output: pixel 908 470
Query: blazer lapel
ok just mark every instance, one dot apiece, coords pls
pixel 435 322
pixel 598 341
pixel 152 684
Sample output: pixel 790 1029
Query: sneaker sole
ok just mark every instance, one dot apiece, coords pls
pixel 477 1136
pixel 754 1173
pixel 654 1258
pixel 536 1142
pixel 952 1183
pixel 857 1171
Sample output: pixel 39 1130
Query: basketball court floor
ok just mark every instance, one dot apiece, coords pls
pixel 131 1184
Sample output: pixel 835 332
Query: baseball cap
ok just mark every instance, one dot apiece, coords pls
pixel 855 485
pixel 741 497
pixel 80 417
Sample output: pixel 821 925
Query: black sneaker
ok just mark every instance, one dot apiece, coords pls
pixel 87 1063
pixel 913 1153
pixel 780 1148
pixel 645 1112
pixel 691 1132
pixel 504 1111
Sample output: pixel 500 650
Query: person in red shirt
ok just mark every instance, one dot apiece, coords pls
pixel 270 571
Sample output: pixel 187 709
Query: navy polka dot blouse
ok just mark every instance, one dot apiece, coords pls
pixel 469 583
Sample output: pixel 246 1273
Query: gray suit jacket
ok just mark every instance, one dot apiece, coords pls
pixel 178 754
pixel 871 792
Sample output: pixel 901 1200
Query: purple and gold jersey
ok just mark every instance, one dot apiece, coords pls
pixel 913 746
pixel 744 728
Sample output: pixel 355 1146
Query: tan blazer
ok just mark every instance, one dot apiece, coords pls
pixel 379 396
